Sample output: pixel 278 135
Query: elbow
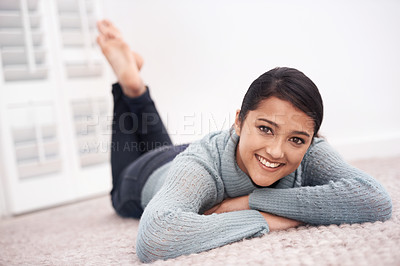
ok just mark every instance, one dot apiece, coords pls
pixel 372 206
pixel 141 252
pixel 144 253
pixel 154 241
pixel 379 207
pixel 148 244
pixel 382 204
pixel 384 209
pixel 376 202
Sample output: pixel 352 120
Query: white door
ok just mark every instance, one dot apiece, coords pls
pixel 55 107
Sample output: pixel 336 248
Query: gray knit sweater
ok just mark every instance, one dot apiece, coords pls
pixel 323 190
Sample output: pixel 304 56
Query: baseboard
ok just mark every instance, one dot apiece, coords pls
pixel 367 147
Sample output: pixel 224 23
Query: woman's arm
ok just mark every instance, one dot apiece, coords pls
pixel 172 225
pixel 242 203
pixel 276 223
pixel 333 192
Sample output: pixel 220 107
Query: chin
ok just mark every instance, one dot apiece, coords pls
pixel 264 182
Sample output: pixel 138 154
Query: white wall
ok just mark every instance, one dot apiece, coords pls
pixel 4 211
pixel 201 56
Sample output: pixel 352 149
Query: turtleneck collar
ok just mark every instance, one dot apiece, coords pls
pixel 236 182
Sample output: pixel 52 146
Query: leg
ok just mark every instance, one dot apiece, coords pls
pixel 126 199
pixel 126 66
pixel 151 131
pixel 123 136
pixel 139 148
pixel 125 63
pixel 137 126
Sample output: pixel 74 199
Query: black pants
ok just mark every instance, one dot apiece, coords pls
pixel 140 144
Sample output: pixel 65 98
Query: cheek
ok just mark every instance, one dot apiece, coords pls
pixel 295 157
pixel 251 143
pixel 245 147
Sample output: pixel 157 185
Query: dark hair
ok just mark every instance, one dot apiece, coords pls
pixel 287 84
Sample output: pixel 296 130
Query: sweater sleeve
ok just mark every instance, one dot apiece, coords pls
pixel 332 192
pixel 172 223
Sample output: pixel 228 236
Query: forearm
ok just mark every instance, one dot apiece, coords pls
pixel 172 224
pixel 334 203
pixel 242 203
pixel 165 234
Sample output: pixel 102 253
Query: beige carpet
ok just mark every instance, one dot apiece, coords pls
pixel 90 233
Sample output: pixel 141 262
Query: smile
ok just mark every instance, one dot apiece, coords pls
pixel 266 163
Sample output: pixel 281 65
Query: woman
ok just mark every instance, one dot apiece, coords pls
pixel 270 171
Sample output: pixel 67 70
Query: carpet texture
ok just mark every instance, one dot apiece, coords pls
pixel 90 233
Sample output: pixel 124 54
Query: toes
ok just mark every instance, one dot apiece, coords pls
pixel 101 26
pixel 100 40
pixel 106 22
pixel 114 29
pixel 110 35
pixel 106 28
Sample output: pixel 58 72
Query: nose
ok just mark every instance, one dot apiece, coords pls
pixel 275 149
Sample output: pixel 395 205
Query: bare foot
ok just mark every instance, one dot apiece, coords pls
pixel 125 63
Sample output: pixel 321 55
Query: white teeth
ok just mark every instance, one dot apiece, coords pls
pixel 266 163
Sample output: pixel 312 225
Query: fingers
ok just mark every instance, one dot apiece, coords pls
pixel 212 210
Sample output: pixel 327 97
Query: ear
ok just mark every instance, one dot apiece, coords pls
pixel 237 123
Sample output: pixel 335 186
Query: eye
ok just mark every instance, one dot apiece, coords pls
pixel 297 140
pixel 265 129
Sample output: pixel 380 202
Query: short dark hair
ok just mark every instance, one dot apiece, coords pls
pixel 287 84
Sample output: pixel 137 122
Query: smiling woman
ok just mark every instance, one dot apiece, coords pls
pixel 269 172
pixel 273 140
pixel 281 113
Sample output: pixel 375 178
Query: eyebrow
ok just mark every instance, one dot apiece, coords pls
pixel 297 132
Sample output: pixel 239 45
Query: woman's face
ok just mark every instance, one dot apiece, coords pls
pixel 273 140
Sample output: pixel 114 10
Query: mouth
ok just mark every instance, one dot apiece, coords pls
pixel 268 165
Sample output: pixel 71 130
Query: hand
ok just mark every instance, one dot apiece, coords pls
pixel 230 205
pixel 279 223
